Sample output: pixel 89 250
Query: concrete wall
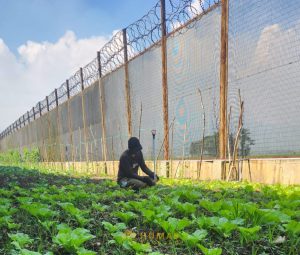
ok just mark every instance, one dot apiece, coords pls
pixel 267 171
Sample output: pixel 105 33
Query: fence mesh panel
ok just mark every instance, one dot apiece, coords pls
pixel 264 46
pixel 193 63
pixel 145 88
pixel 116 115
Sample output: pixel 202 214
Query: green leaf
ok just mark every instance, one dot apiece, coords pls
pixel 173 224
pixel 77 213
pixel 99 207
pixel 185 208
pixel 213 251
pixel 122 239
pixel 113 228
pixel 149 215
pixel 83 251
pixel 27 252
pixel 293 227
pixel 270 216
pixel 48 224
pixel 20 240
pixel 193 239
pixel 249 234
pixel 70 239
pixel 39 210
pixel 211 206
pixel 140 247
pixel 204 222
pixel 8 221
pixel 126 216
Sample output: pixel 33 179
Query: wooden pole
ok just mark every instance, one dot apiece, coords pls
pixel 70 122
pixel 58 130
pixel 127 86
pixel 164 78
pixel 140 123
pixel 84 118
pixel 102 111
pixel 43 137
pixel 49 149
pixel 223 80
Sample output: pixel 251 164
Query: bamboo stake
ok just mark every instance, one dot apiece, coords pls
pixel 235 148
pixel 113 153
pixel 120 136
pixel 80 149
pixel 172 151
pixel 183 149
pixel 228 138
pixel 203 134
pixel 166 135
pixel 182 159
pixel 140 124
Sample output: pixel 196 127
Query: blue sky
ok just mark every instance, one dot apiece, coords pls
pixel 45 20
pixel 53 38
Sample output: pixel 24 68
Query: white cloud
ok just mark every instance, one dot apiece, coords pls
pixel 196 7
pixel 39 67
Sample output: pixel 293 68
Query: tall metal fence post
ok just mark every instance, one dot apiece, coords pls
pixel 70 123
pixel 127 86
pixel 33 113
pixel 102 110
pixel 84 118
pixel 223 83
pixel 164 78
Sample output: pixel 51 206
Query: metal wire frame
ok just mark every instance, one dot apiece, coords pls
pixel 62 93
pixel 43 106
pixel 74 84
pixel 52 101
pixel 144 32
pixel 112 54
pixel 31 115
pixel 90 73
pixel 180 12
pixel 140 35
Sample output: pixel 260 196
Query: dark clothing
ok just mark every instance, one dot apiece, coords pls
pixel 132 183
pixel 129 165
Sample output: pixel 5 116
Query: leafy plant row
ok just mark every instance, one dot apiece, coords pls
pixel 46 213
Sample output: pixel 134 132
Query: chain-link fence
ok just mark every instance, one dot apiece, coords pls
pixel 176 49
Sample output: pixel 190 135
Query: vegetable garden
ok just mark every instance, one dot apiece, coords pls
pixel 43 212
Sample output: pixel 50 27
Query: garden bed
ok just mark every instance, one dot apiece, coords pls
pixel 46 213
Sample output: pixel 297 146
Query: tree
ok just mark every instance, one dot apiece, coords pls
pixel 211 144
pixel 245 143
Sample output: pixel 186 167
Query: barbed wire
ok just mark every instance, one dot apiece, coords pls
pixel 180 12
pixel 52 101
pixel 112 54
pixel 90 73
pixel 144 32
pixel 140 35
pixel 62 95
pixel 75 84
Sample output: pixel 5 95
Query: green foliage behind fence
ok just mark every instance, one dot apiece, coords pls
pixel 15 156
